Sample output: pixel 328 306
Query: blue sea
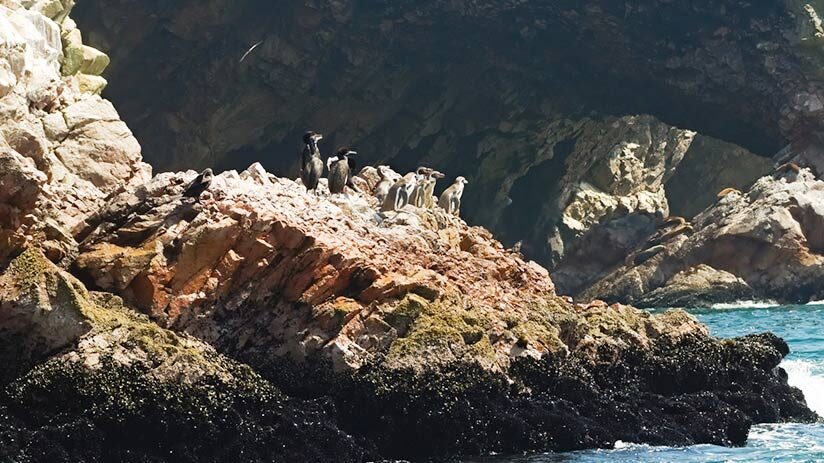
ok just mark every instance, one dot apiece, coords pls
pixel 803 329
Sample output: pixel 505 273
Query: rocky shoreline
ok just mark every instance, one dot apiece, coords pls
pixel 261 323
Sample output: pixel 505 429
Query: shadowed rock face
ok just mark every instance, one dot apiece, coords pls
pixel 512 95
pixel 349 67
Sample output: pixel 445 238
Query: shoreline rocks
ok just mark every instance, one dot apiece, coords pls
pixel 265 322
pixel 763 244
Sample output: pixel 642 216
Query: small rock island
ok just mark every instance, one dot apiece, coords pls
pixel 268 323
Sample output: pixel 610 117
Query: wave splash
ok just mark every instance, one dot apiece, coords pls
pixel 809 377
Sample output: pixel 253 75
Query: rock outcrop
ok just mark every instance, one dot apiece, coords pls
pixel 63 149
pixel 282 326
pixel 521 98
pixel 765 243
pixel 87 379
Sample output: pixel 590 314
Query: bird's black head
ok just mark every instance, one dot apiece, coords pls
pixel 312 137
pixel 345 152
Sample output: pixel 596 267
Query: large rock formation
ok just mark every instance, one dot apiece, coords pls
pixel 63 149
pixel 399 318
pixel 765 243
pixel 369 333
pixel 510 95
pixel 87 379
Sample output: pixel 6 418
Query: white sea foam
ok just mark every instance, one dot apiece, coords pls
pixel 809 377
pixel 745 305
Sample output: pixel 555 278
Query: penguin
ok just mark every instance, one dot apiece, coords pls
pixel 400 192
pixel 450 200
pixel 383 186
pixel 199 184
pixel 429 193
pixel 311 165
pixel 418 196
pixel 340 170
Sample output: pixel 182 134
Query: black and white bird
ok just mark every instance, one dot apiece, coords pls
pixel 450 199
pixel 341 168
pixel 199 184
pixel 311 165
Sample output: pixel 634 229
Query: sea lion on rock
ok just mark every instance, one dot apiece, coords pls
pixel 647 254
pixel 672 220
pixel 788 170
pixel 727 191
pixel 679 230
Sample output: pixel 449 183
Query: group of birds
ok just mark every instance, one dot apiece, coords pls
pixel 392 192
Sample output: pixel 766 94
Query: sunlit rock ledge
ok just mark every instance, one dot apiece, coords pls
pixel 265 322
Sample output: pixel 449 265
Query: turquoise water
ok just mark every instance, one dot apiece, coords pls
pixel 803 329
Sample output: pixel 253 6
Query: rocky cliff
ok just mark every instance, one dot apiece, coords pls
pixel 269 324
pixel 764 243
pixel 522 98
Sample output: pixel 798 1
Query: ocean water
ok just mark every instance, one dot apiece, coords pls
pixel 803 329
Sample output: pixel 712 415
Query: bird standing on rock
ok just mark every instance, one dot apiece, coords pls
pixel 311 165
pixel 199 184
pixel 451 198
pixel 417 198
pixel 429 189
pixel 400 192
pixel 341 168
pixel 383 186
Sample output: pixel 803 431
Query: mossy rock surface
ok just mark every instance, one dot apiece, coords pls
pixel 124 389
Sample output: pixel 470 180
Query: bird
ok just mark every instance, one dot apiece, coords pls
pixel 429 192
pixel 249 51
pixel 341 167
pixel 311 167
pixel 400 192
pixel 418 196
pixel 450 199
pixel 383 186
pixel 199 184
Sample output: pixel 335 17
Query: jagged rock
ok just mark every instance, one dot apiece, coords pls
pixel 65 149
pixel 699 286
pixel 267 252
pixel 406 314
pixel 765 243
pixel 510 132
pixel 709 167
pixel 413 326
pixel 83 363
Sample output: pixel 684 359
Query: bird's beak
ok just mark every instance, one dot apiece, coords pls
pixel 318 137
pixel 352 153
